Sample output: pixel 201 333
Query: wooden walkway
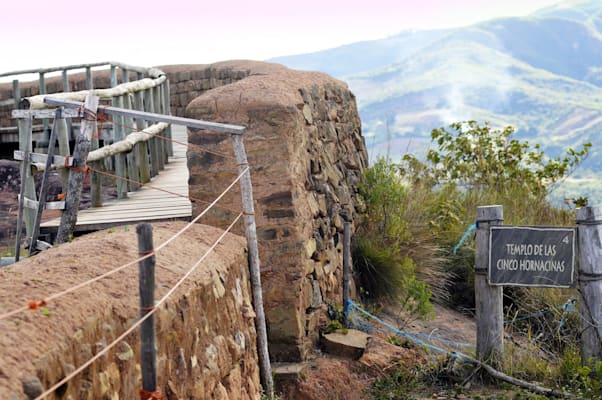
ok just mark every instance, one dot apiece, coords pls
pixel 146 204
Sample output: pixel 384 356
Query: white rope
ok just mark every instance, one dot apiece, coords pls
pixel 109 273
pixel 141 320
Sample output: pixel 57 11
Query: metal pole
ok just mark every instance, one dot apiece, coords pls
pixel 254 266
pixel 146 268
pixel 489 301
pixel 589 222
pixel 152 116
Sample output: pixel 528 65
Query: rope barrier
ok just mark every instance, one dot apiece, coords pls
pixel 109 273
pixel 470 229
pixel 407 335
pixel 141 319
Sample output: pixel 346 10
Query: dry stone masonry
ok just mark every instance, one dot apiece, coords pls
pixel 205 332
pixel 306 155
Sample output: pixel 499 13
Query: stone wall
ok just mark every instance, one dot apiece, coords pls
pixel 306 155
pixel 205 332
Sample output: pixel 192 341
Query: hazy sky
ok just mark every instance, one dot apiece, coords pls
pixel 46 33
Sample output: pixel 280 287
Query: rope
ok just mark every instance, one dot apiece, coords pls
pixel 464 237
pixel 189 145
pixel 142 319
pixel 567 307
pixel 407 335
pixel 146 395
pixel 109 273
pixel 139 183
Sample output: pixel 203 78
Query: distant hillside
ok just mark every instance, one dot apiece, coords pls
pixel 541 74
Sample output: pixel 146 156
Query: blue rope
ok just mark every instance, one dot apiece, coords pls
pixel 567 307
pixel 465 236
pixel 405 334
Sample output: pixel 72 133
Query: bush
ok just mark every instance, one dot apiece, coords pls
pixel 394 254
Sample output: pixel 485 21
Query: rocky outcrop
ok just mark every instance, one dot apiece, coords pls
pixel 205 332
pixel 306 155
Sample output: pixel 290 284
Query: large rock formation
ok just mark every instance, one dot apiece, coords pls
pixel 306 154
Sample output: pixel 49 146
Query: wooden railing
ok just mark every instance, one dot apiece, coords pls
pixel 133 156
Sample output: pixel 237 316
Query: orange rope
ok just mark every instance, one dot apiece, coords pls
pixel 109 273
pixel 163 299
pixel 189 145
pixel 146 395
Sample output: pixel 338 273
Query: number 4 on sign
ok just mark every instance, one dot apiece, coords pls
pixel 566 239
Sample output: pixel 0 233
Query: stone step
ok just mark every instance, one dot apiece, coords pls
pixel 287 377
pixel 349 344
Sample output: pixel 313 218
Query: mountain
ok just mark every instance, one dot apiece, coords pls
pixel 541 73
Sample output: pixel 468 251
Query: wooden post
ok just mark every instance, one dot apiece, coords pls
pixel 160 142
pixel 150 107
pixel 254 266
pixel 125 75
pixel 120 159
pixel 76 175
pixel 131 157
pixel 142 147
pixel 488 299
pixel 346 267
pixel 89 79
pixel 33 243
pixel 16 92
pixel 27 183
pixel 65 76
pixel 42 90
pixel 64 128
pixel 146 268
pixel 167 111
pixel 95 178
pixel 589 222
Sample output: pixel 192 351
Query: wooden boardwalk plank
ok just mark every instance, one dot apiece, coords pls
pixel 148 203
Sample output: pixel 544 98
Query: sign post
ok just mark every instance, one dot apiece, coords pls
pixel 589 222
pixel 488 299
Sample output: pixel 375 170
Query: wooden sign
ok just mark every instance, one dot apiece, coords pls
pixel 531 256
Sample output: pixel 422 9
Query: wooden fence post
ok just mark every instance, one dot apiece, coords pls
pixel 27 183
pixel 488 299
pixel 149 106
pixel 64 127
pixel 346 267
pixel 33 243
pixel 131 157
pixel 589 222
pixel 246 189
pixel 120 159
pixel 65 78
pixel 143 159
pixel 77 174
pixel 146 268
pixel 42 90
pixel 16 92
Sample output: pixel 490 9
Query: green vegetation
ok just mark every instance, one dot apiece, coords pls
pixel 415 213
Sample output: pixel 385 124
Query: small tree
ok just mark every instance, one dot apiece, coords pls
pixel 478 157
